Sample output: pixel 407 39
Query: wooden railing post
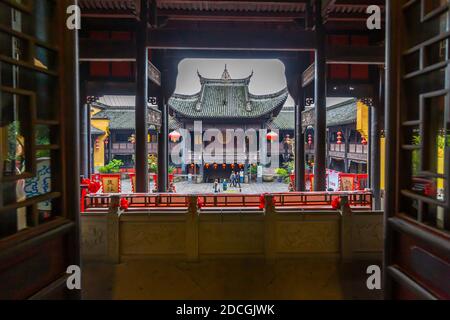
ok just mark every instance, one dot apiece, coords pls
pixel 192 230
pixel 113 230
pixel 269 227
pixel 346 227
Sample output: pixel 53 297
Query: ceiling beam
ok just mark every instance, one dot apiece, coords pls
pixel 237 39
pixel 122 50
pixel 219 16
pixel 107 50
pixel 371 55
pixel 337 54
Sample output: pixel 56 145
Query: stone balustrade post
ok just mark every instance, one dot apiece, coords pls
pixel 346 231
pixel 192 229
pixel 113 230
pixel 269 227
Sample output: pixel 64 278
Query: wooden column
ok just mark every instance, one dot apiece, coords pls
pixel 393 74
pixel 84 124
pixel 142 181
pixel 347 132
pixel 163 158
pixel 320 100
pixel 299 143
pixel 375 143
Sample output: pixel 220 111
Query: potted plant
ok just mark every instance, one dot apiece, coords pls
pixel 282 174
pixel 110 176
pixel 112 167
pixel 171 172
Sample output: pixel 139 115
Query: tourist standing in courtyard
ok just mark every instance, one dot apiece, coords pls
pixel 237 181
pixel 233 179
pixel 216 186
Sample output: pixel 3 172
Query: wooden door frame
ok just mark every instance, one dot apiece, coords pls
pixel 397 224
pixel 20 253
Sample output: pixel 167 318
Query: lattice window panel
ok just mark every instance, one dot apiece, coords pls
pixel 425 113
pixel 30 117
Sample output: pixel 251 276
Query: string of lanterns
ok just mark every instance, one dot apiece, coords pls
pixel 310 139
pixel 224 166
pixel 339 137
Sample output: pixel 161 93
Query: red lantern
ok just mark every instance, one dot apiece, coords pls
pixel 216 166
pixel 124 204
pixel 224 166
pixel 232 166
pixel 106 141
pixel 310 139
pixel 262 202
pixel 364 141
pixel 174 136
pixel 339 137
pixel 200 202
pixel 192 166
pixel 207 166
pixel 272 136
pixel 336 204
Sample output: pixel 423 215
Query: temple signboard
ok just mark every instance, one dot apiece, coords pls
pixel 154 117
pixel 154 74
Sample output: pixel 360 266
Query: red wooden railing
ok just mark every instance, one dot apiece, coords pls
pixel 301 200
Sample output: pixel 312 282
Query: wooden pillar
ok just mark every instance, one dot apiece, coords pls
pixel 375 143
pixel 320 104
pixel 163 157
pixel 142 181
pixel 347 134
pixel 89 159
pixel 84 124
pixel 393 71
pixel 299 144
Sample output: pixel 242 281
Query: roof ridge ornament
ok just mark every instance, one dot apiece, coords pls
pixel 226 74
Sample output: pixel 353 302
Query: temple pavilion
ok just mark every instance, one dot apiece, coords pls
pixel 227 103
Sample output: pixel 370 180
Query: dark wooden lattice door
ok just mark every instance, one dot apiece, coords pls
pixel 417 252
pixel 38 149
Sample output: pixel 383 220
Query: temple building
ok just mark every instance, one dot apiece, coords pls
pixel 113 130
pixel 223 103
pixel 227 103
pixel 347 135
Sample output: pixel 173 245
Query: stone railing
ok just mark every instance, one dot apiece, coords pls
pixel 196 232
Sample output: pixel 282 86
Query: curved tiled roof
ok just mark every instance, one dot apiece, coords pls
pixel 226 99
pixel 337 114
pixel 284 121
pixel 97 132
pixel 119 119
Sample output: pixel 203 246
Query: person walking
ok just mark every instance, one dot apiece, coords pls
pixel 233 180
pixel 241 176
pixel 216 186
pixel 238 181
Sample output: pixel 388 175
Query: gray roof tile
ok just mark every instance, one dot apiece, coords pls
pixel 338 114
pixel 227 99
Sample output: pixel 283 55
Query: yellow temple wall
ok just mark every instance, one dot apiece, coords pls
pixel 99 154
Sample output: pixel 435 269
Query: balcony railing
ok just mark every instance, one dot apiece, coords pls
pixel 352 148
pixel 129 148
